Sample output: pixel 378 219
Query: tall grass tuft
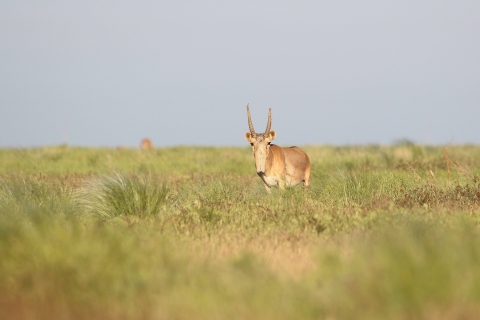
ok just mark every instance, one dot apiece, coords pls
pixel 110 196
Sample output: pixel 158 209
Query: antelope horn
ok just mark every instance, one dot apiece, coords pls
pixel 269 123
pixel 250 125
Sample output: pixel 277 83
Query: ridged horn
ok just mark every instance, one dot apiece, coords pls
pixel 250 125
pixel 269 123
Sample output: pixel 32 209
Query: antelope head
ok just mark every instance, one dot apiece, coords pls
pixel 260 142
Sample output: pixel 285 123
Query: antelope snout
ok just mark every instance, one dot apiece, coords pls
pixel 260 168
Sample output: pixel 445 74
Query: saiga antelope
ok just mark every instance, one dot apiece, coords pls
pixel 146 144
pixel 277 166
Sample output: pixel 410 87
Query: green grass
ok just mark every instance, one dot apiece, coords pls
pixel 117 195
pixel 385 232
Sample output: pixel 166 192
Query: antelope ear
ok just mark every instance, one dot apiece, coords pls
pixel 248 137
pixel 271 135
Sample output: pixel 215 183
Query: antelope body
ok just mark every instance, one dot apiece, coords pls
pixel 277 166
pixel 146 144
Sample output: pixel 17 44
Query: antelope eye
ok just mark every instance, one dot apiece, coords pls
pixel 268 143
pixel 251 144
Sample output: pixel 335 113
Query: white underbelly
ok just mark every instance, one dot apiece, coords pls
pixel 291 182
pixel 271 181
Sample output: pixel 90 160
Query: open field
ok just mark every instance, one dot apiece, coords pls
pixel 385 232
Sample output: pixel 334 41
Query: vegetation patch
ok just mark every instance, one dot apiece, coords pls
pixel 384 232
pixel 110 196
pixel 465 196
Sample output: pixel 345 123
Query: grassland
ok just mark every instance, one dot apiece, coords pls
pixel 385 232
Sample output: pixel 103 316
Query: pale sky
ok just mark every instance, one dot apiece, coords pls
pixel 109 73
